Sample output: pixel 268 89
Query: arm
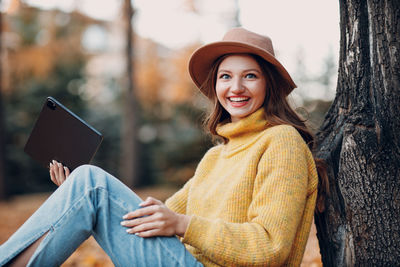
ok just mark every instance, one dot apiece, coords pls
pixel 280 191
pixel 177 202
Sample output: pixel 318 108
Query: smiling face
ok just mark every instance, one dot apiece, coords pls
pixel 240 85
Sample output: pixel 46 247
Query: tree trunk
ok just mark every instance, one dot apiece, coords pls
pixel 360 140
pixel 3 189
pixel 129 145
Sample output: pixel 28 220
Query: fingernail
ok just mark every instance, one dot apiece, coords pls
pixel 141 204
pixel 125 217
pixel 59 164
pixel 51 165
pixel 65 168
pixel 54 162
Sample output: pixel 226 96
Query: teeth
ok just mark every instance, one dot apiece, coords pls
pixel 238 99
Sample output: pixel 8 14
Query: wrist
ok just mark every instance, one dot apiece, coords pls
pixel 182 224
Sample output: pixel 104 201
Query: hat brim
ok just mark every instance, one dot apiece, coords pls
pixel 203 58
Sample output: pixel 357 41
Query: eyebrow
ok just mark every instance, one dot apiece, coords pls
pixel 247 70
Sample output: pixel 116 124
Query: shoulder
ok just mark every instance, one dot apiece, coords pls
pixel 212 153
pixel 281 138
pixel 282 129
pixel 284 133
pixel 214 149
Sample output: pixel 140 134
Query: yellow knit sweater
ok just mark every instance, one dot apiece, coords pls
pixel 252 200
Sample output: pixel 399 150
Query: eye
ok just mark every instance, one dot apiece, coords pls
pixel 251 76
pixel 224 76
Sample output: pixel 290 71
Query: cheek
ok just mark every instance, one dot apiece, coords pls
pixel 259 96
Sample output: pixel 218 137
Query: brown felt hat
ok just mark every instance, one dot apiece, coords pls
pixel 236 40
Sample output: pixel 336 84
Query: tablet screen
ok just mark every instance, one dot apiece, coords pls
pixel 61 135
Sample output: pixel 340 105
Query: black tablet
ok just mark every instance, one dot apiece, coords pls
pixel 61 135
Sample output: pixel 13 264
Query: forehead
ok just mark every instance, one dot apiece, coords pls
pixel 239 61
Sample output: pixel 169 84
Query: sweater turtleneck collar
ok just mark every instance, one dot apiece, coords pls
pixel 243 130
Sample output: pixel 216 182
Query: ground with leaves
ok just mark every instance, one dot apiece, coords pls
pixel 15 211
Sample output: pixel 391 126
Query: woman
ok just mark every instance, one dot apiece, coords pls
pixel 250 202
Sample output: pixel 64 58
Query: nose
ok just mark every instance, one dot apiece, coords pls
pixel 237 87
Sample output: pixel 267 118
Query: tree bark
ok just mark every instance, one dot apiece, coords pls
pixel 360 140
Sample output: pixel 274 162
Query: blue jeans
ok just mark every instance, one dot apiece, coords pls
pixel 92 202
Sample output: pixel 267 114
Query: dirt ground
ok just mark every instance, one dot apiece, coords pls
pixel 16 210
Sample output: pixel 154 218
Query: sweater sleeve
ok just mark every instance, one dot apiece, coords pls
pixel 177 202
pixel 279 198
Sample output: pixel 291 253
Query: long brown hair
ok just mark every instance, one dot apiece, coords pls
pixel 277 111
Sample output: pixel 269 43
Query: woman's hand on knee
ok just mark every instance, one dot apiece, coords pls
pixel 155 219
pixel 58 172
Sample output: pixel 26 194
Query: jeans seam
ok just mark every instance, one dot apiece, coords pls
pixel 100 188
pixel 27 244
pixel 57 222
pixel 41 246
pixel 172 254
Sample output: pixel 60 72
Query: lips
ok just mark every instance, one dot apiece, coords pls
pixel 238 99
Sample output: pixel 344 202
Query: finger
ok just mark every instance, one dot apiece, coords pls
pixel 61 174
pixel 151 233
pixel 58 171
pixel 145 227
pixel 139 221
pixel 52 177
pixel 146 211
pixel 154 232
pixel 55 171
pixel 67 172
pixel 150 201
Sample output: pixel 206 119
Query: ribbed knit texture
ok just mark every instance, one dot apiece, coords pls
pixel 252 200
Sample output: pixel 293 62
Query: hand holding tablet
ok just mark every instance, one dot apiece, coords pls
pixel 58 172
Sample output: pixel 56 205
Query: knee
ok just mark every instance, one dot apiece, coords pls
pixel 83 170
pixel 87 173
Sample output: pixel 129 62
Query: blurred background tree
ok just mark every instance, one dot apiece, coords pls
pixel 3 188
pixel 38 67
pixel 131 152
